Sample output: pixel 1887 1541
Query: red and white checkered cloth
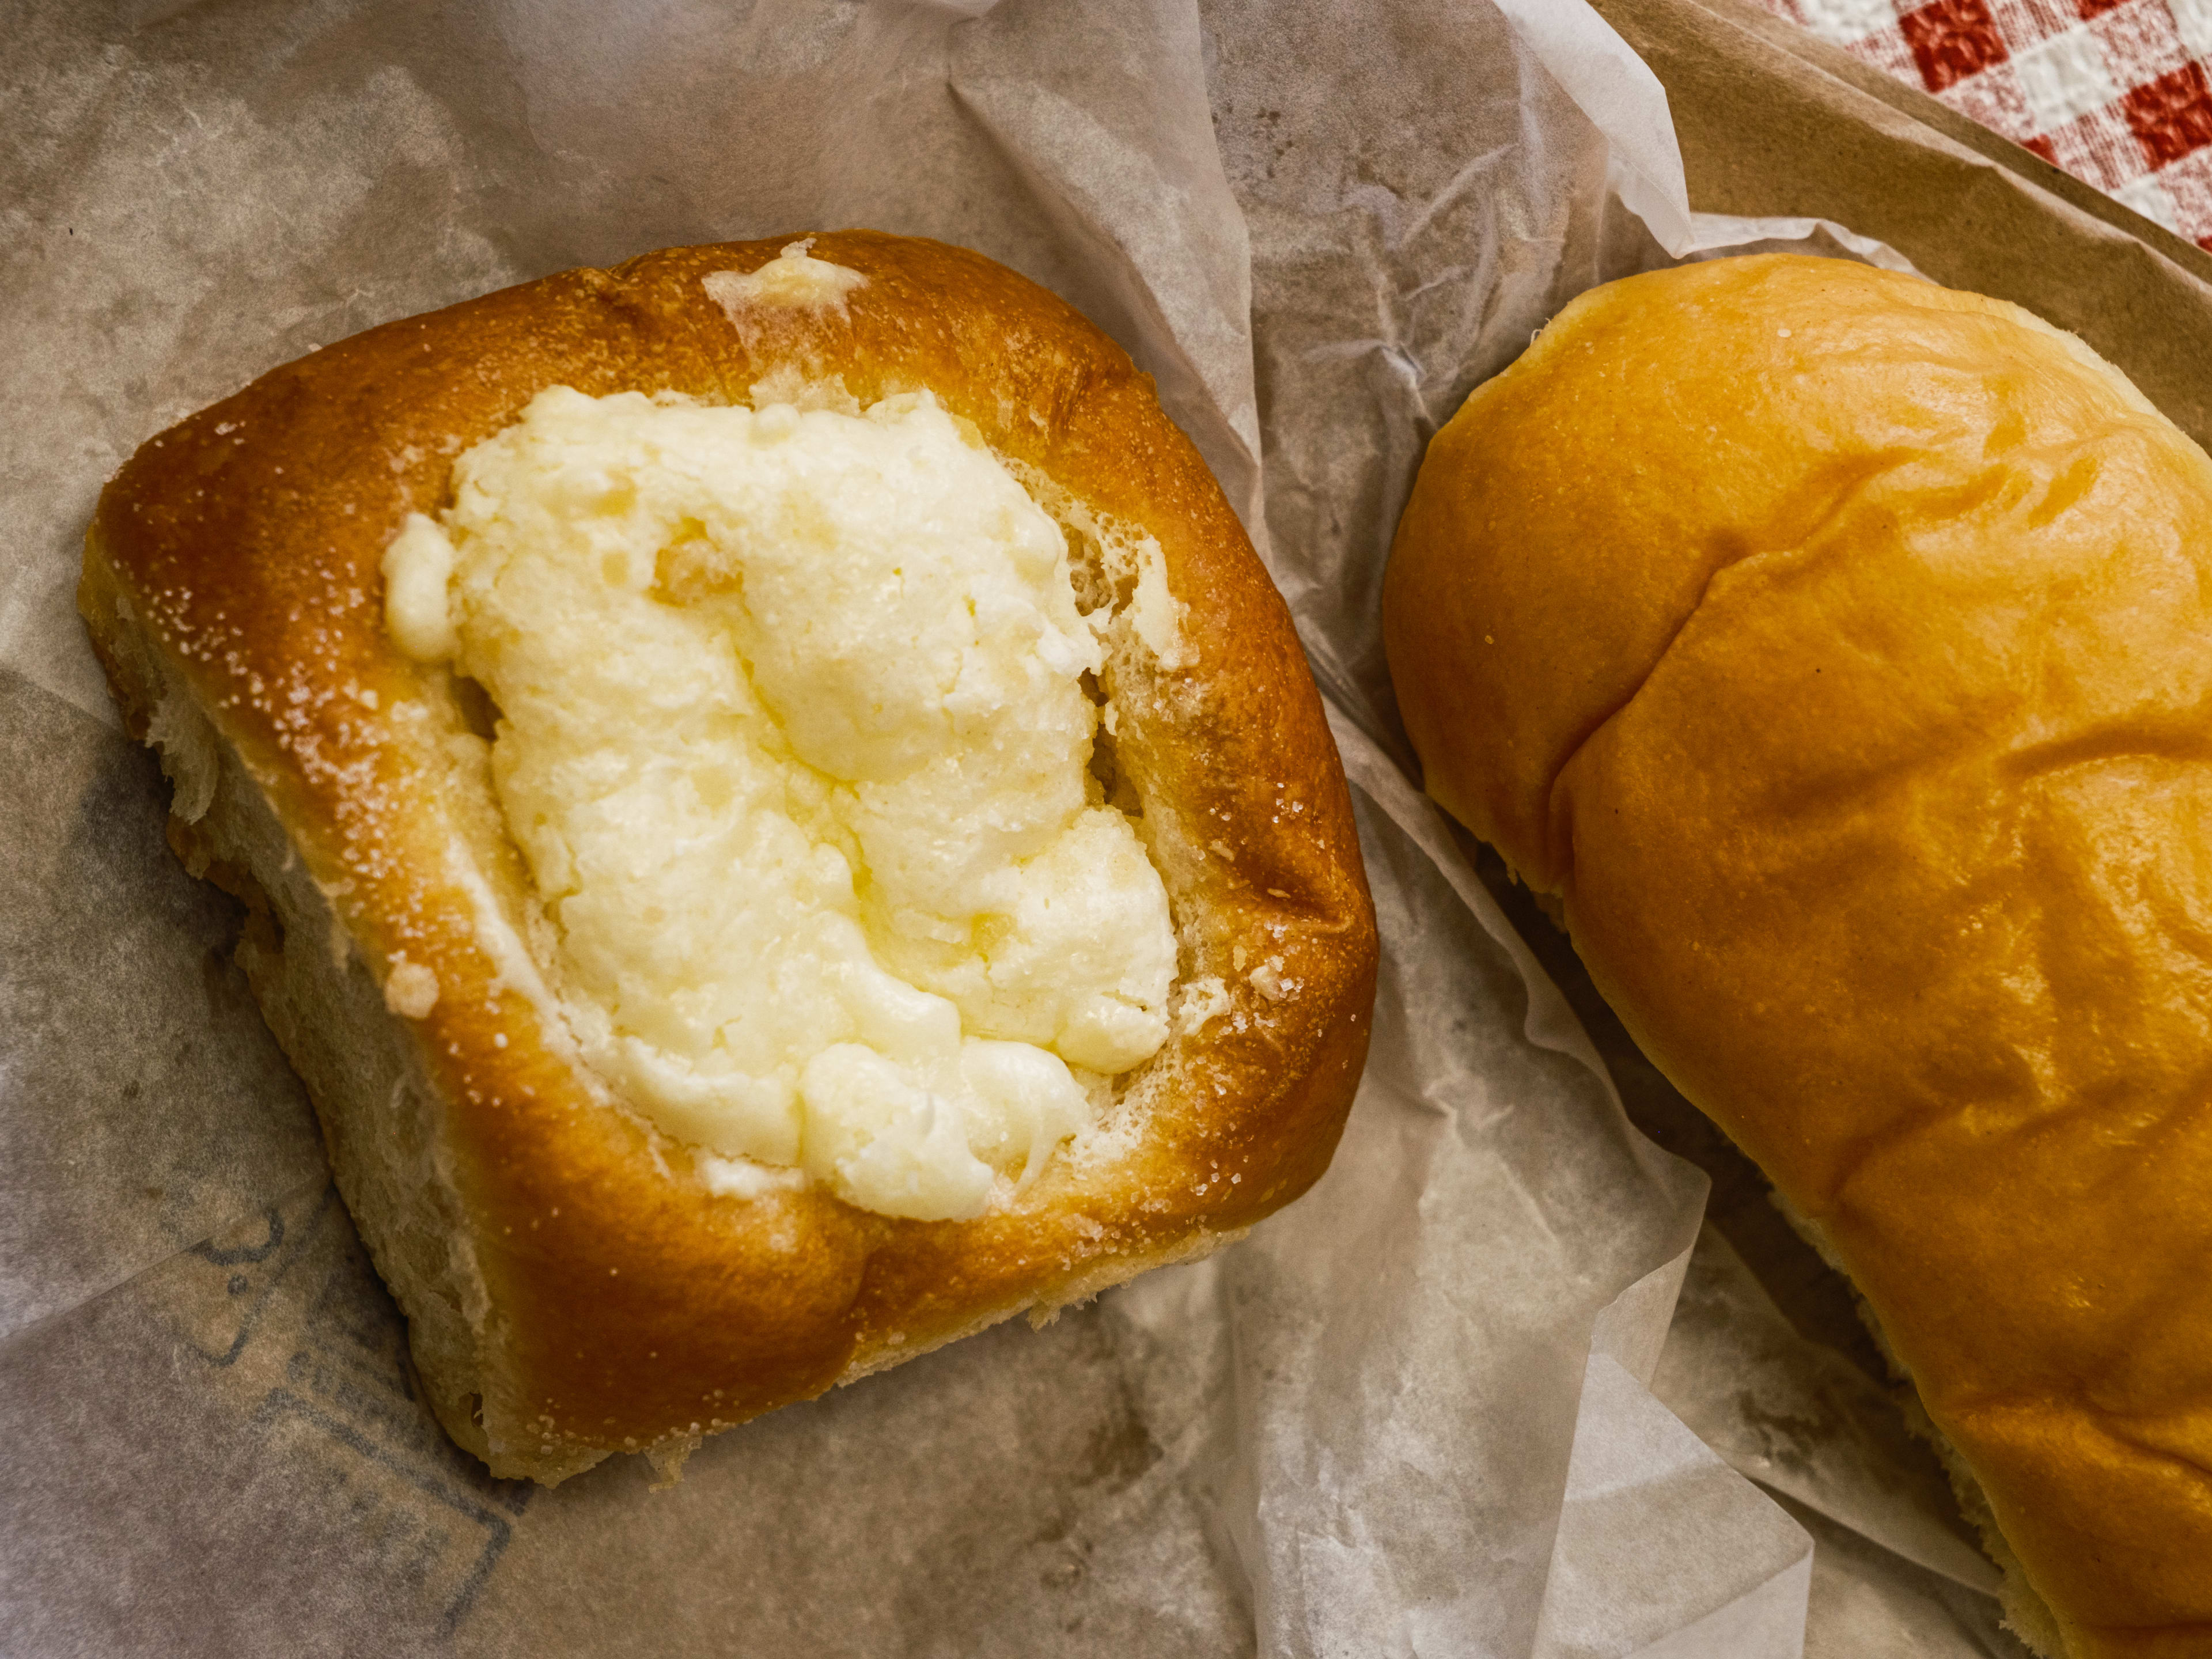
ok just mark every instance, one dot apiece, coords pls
pixel 2114 91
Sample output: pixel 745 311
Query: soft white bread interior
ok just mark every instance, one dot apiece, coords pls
pixel 579 1280
pixel 1832 646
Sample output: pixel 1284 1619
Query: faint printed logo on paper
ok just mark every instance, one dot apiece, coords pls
pixel 289 1314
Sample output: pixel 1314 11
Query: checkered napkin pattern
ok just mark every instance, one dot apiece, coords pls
pixel 2114 91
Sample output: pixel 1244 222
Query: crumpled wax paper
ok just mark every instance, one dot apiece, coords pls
pixel 1414 1413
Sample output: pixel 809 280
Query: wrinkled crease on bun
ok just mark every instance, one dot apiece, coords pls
pixel 573 1286
pixel 1832 645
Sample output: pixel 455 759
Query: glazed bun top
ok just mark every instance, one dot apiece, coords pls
pixel 1834 646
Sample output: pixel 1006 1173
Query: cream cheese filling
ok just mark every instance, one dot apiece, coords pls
pixel 795 740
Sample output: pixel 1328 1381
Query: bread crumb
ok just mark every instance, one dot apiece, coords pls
pixel 412 989
pixel 795 279
pixel 1203 1000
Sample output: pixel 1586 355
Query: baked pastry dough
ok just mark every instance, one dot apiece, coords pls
pixel 1833 646
pixel 575 1283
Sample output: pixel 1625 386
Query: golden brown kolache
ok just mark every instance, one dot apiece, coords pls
pixel 1834 646
pixel 573 1285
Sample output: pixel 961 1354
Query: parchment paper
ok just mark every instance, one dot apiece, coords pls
pixel 1414 1414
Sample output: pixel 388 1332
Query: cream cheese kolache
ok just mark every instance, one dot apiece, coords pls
pixel 781 819
pixel 1832 646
